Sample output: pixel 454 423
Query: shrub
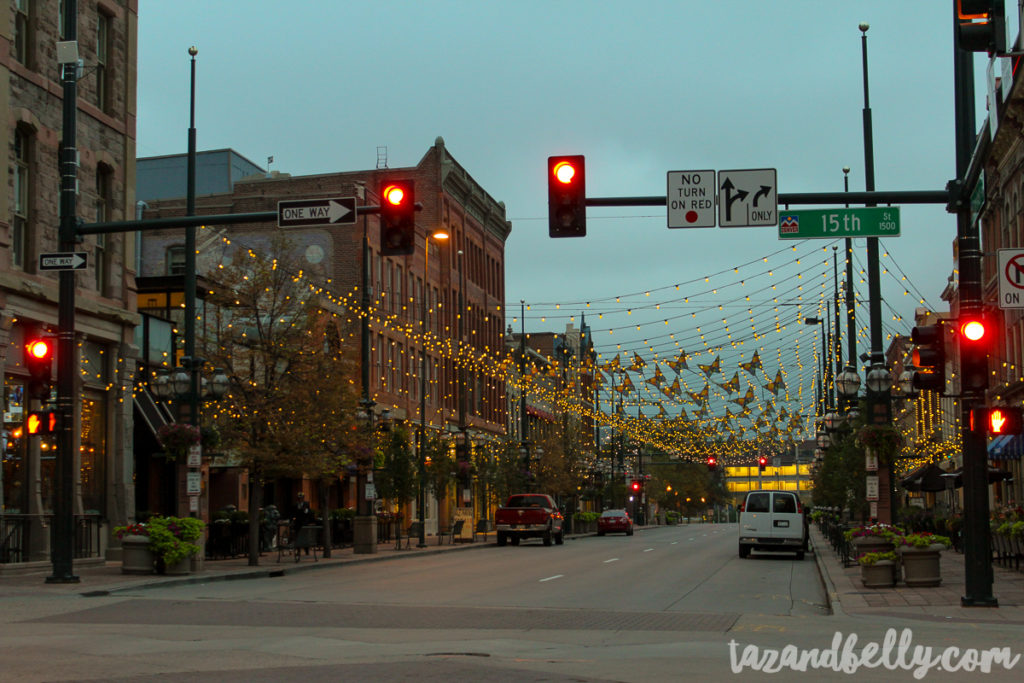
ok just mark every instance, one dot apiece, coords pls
pixel 172 539
pixel 870 559
pixel 924 539
pixel 885 531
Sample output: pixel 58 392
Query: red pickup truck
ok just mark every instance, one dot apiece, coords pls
pixel 529 515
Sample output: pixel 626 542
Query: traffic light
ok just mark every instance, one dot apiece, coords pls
pixel 929 357
pixel 975 341
pixel 41 422
pixel 39 363
pixel 398 218
pixel 997 421
pixel 635 486
pixel 567 197
pixel 981 25
pixel 762 462
pixel 712 462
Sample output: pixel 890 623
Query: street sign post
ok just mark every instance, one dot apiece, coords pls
pixel 1011 278
pixel 309 213
pixel 691 199
pixel 747 198
pixel 66 260
pixel 883 221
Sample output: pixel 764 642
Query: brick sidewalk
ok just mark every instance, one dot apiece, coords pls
pixel 848 595
pixel 105 578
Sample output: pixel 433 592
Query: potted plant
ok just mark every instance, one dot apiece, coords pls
pixel 874 538
pixel 176 438
pixel 136 556
pixel 919 555
pixel 883 440
pixel 878 570
pixel 173 541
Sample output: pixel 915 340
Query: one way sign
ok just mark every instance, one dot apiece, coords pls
pixel 306 213
pixel 747 198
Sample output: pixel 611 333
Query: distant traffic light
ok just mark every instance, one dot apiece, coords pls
pixel 41 422
pixel 975 344
pixel 635 486
pixel 39 363
pixel 398 218
pixel 712 462
pixel 929 357
pixel 981 25
pixel 997 421
pixel 762 462
pixel 567 196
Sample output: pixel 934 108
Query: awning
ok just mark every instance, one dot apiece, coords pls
pixel 1009 449
pixel 924 478
pixel 996 446
pixel 153 414
pixel 994 475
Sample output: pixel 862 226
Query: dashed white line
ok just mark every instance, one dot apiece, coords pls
pixel 614 559
pixel 649 550
pixel 551 578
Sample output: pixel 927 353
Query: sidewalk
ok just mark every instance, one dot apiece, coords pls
pixel 106 578
pixel 847 595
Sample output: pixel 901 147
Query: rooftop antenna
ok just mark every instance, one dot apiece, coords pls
pixel 382 156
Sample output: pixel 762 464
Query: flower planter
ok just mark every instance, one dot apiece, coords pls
pixel 870 544
pixel 881 574
pixel 179 568
pixel 136 557
pixel 921 565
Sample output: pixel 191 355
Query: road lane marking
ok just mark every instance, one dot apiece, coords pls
pixel 614 559
pixel 674 542
pixel 551 578
pixel 649 550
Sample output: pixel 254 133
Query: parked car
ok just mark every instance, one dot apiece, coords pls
pixel 614 521
pixel 529 515
pixel 772 520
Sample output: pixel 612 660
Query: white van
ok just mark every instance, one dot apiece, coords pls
pixel 772 520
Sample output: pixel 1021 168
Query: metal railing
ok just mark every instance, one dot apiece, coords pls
pixel 16 536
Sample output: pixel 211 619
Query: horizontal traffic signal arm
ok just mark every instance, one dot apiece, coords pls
pixel 809 198
pixel 195 221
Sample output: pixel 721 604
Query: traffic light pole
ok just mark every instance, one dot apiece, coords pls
pixel 62 553
pixel 978 576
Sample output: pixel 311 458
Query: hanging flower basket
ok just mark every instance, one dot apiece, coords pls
pixel 883 440
pixel 176 438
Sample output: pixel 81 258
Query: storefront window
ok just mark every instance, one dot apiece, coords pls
pixel 94 446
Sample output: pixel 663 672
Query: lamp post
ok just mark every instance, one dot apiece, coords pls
pixel 364 532
pixel 849 378
pixel 422 436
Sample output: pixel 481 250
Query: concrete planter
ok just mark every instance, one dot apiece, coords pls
pixel 881 574
pixel 870 544
pixel 921 565
pixel 136 557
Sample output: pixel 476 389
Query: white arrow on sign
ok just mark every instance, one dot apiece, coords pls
pixel 72 260
pixel 312 212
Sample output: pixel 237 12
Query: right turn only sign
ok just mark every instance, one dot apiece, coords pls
pixel 1011 278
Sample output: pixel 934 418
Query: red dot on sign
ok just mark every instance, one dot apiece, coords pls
pixel 691 216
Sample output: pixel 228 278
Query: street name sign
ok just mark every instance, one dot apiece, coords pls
pixel 748 198
pixel 1011 278
pixel 882 221
pixel 67 260
pixel 309 213
pixel 691 199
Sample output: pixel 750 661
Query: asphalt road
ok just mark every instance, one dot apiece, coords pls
pixel 662 605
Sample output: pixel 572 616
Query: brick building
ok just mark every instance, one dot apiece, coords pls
pixel 32 105
pixel 464 288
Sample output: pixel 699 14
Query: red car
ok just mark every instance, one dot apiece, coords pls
pixel 614 521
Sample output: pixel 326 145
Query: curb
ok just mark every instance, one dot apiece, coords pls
pixel 831 594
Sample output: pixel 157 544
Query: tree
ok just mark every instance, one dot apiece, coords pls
pixel 396 477
pixel 290 409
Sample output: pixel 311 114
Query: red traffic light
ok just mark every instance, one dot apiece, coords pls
pixel 712 462
pixel 39 349
pixel 973 330
pixel 398 218
pixel 567 196
pixel 762 461
pixel 564 172
pixel 636 486
pixel 394 194
pixel 39 363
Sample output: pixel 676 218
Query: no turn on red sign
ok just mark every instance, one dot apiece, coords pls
pixel 1011 278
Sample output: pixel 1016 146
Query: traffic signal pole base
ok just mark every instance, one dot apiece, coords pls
pixel 364 535
pixel 63 579
pixel 967 601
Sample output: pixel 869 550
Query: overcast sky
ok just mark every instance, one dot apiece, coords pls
pixel 640 88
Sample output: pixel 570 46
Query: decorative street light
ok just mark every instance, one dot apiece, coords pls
pixel 906 384
pixel 878 380
pixel 848 383
pixel 421 440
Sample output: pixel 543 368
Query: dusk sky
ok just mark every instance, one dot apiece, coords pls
pixel 641 89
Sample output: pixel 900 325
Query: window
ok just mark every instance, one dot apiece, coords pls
pixel 176 260
pixel 21 31
pixel 19 227
pixel 757 502
pixel 784 503
pixel 103 204
pixel 102 57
